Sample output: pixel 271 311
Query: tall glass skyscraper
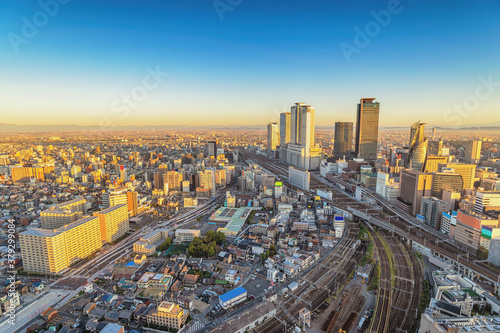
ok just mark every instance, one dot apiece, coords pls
pixel 343 139
pixel 367 129
pixel 418 147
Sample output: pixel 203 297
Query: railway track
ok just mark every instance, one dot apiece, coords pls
pixel 380 318
pixel 320 283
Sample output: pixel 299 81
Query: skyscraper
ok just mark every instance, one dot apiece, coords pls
pixel 285 125
pixel 367 128
pixel 473 151
pixel 212 149
pixel 414 185
pixel 418 147
pixel 301 151
pixel 343 139
pixel 272 138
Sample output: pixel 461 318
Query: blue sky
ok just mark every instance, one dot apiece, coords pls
pixel 247 68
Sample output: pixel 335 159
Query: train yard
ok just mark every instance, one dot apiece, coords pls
pixel 316 290
pixel 411 231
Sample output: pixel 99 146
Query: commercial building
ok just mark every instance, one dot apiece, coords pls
pixel 233 297
pixel 432 163
pixel 417 148
pixel 448 220
pixel 448 181
pixel 367 129
pixel 432 210
pixel 114 222
pixel 342 144
pixel 494 251
pixel 212 149
pixel 52 251
pixel 487 200
pixel 273 139
pixel 301 151
pixel 147 244
pixel 468 229
pixel 132 203
pixel 168 314
pixel 473 151
pixel 233 217
pixel 299 178
pixel 467 171
pixel 414 185
pixel 186 235
pixel 285 127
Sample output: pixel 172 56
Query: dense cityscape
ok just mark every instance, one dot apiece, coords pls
pixel 236 166
pixel 281 228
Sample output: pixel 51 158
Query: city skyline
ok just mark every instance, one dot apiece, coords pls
pixel 66 72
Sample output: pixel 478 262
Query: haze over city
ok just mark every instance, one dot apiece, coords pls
pixel 234 166
pixel 74 66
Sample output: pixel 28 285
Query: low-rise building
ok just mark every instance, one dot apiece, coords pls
pixel 168 314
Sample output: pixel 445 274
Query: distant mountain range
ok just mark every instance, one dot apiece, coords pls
pixel 12 128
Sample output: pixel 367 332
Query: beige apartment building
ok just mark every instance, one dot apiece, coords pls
pixel 113 222
pixel 168 314
pixel 52 251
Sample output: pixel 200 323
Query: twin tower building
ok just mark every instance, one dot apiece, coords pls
pixel 294 140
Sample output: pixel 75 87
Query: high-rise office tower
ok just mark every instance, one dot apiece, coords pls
pixel 473 151
pixel 343 139
pixel 418 147
pixel 285 126
pixel 212 148
pixel 272 138
pixel 301 151
pixel 367 128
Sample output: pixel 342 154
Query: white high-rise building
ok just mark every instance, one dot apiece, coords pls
pixel 301 151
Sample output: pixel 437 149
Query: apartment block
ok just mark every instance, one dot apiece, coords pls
pixel 52 251
pixel 113 222
pixel 168 314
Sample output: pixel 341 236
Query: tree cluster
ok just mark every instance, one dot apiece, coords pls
pixel 165 245
pixel 206 246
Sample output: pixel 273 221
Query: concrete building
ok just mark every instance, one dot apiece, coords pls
pixel 299 178
pixel 473 151
pixel 448 181
pixel 418 147
pixel 342 144
pixel 494 251
pixel 56 218
pixel 429 324
pixel 114 222
pixel 52 251
pixel 487 200
pixel 168 314
pixel 467 171
pixel 414 185
pixel 448 220
pixel 432 210
pixel 273 139
pixel 186 235
pixel 147 244
pixel 367 129
pixel 233 297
